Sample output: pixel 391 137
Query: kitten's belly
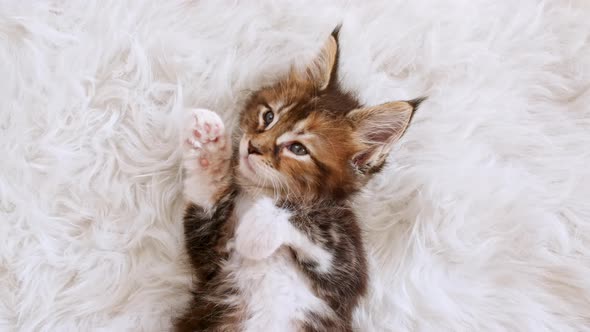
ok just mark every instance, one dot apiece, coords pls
pixel 277 295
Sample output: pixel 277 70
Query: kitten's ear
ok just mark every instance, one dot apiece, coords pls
pixel 378 128
pixel 322 70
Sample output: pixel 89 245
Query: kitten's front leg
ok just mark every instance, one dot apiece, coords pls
pixel 206 186
pixel 262 230
pixel 206 154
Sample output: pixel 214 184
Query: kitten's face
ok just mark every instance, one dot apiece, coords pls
pixel 292 144
pixel 306 137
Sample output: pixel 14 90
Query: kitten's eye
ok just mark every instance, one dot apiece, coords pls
pixel 268 116
pixel 298 149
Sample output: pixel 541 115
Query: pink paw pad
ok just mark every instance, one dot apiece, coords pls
pixel 206 141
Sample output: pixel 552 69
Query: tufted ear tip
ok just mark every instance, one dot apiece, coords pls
pixel 336 32
pixel 415 103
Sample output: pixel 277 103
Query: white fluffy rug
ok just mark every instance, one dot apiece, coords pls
pixel 481 222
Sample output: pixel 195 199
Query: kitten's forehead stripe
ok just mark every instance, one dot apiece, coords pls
pixel 287 108
pixel 276 105
pixel 281 106
pixel 300 126
pixel 297 133
pixel 291 136
pixel 286 137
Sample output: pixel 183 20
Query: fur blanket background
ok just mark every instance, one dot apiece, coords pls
pixel 481 221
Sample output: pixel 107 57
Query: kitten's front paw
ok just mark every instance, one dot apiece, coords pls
pixel 206 154
pixel 206 147
pixel 261 230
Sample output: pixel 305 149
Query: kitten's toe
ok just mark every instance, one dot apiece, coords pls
pixel 207 126
pixel 205 141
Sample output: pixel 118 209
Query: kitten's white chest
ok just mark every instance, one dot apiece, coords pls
pixel 276 294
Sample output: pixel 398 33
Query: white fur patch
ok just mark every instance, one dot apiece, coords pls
pixel 311 251
pixel 262 230
pixel 277 295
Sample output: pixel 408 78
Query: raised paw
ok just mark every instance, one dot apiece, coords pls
pixel 206 156
pixel 206 143
pixel 205 133
pixel 261 230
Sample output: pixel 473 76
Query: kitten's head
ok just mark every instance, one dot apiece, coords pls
pixel 305 137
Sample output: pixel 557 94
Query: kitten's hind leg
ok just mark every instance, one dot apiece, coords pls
pixel 206 157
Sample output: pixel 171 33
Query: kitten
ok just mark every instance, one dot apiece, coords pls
pixel 270 231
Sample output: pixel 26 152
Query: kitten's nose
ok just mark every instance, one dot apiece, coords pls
pixel 252 149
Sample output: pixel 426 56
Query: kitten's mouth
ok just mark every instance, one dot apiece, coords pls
pixel 248 164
